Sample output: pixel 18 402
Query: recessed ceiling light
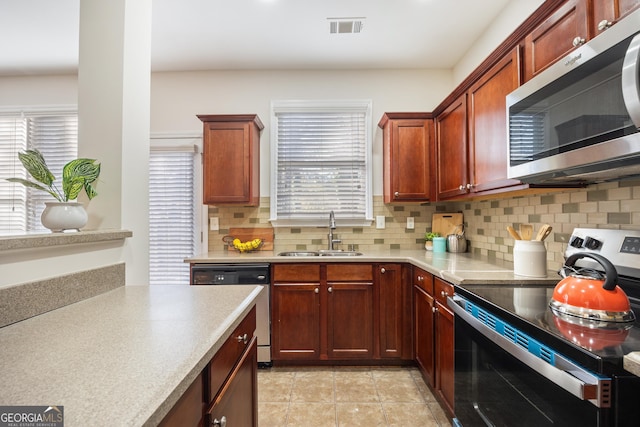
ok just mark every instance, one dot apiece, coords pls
pixel 346 25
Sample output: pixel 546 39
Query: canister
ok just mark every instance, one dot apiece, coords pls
pixel 439 244
pixel 530 258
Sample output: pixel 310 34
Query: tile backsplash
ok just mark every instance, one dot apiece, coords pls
pixel 607 205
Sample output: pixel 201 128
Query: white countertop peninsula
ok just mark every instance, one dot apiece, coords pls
pixel 120 358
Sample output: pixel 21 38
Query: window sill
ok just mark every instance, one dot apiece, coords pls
pixel 40 240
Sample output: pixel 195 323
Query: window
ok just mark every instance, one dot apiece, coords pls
pixel 174 231
pixel 321 162
pixel 55 135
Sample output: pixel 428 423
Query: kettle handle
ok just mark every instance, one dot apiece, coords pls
pixel 609 269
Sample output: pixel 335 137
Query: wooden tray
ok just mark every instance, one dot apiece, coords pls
pixel 244 234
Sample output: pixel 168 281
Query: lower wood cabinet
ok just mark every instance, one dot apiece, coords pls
pixel 424 324
pixel 227 389
pixel 444 344
pixel 340 311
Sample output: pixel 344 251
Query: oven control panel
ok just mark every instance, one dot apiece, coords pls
pixel 621 247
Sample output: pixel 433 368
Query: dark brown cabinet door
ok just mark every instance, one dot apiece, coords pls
pixel 407 157
pixel 231 159
pixel 488 124
pixel 424 333
pixel 295 321
pixel 444 342
pixel 451 150
pixel 350 320
pixel 559 34
pixel 394 312
pixel 605 13
pixel 237 402
pixel 189 410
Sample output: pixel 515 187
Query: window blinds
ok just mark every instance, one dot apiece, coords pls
pixel 56 137
pixel 321 165
pixel 172 215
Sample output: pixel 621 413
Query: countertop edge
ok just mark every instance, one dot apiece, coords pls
pixel 32 241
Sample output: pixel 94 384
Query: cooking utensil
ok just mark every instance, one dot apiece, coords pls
pixel 544 232
pixel 584 293
pixel 512 231
pixel 526 231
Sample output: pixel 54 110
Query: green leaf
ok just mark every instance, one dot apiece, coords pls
pixel 79 174
pixel 37 186
pixel 35 164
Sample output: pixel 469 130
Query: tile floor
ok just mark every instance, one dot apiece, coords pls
pixel 346 396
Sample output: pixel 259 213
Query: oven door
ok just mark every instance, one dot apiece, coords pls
pixel 495 386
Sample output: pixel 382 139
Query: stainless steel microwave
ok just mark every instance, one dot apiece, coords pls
pixel 578 121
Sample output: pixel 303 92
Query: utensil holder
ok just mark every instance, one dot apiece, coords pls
pixel 529 258
pixel 439 244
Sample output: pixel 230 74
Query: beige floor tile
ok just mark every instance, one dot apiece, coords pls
pixel 409 415
pixel 399 388
pixel 313 386
pixel 439 414
pixel 311 415
pixel 358 388
pixel 360 415
pixel 272 414
pixel 275 386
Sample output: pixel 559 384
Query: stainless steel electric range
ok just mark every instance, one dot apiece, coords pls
pixel 519 364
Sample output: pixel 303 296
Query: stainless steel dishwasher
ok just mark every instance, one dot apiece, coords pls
pixel 243 275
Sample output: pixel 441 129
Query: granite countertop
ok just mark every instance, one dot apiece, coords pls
pixel 120 358
pixel 458 268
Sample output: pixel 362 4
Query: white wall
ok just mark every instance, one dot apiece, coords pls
pixel 176 99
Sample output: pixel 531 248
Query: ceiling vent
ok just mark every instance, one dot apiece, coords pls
pixel 345 25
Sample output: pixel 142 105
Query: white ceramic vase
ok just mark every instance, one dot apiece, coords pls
pixel 61 216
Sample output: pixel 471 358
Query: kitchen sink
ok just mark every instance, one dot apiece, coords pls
pixel 299 253
pixel 320 253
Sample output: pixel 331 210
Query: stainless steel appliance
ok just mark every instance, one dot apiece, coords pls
pixel 243 275
pixel 519 364
pixel 577 122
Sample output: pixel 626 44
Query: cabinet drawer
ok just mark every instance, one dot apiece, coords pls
pixel 442 291
pixel 296 272
pixel 423 280
pixel 349 272
pixel 226 358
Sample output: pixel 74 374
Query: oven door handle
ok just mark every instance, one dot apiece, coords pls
pixel 566 374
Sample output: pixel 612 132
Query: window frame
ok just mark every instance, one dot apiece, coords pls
pixel 319 106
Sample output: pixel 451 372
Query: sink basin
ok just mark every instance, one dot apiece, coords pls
pixel 340 253
pixel 299 253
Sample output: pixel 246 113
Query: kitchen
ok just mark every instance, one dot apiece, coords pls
pixel 612 203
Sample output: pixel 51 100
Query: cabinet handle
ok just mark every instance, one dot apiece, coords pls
pixel 330 289
pixel 434 309
pixel 461 188
pixel 382 270
pixel 604 24
pixel 420 278
pixel 243 338
pixel 578 41
pixel 444 294
pixel 222 422
pixel 316 290
pixel 396 194
pixel 469 186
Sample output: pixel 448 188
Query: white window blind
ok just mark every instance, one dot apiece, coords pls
pixel 55 135
pixel 172 214
pixel 321 163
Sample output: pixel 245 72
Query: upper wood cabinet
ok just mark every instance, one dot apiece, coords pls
pixel 606 12
pixel 451 150
pixel 487 122
pixel 408 156
pixel 556 36
pixel 231 159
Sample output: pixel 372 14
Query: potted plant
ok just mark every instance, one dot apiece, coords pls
pixel 428 244
pixel 77 175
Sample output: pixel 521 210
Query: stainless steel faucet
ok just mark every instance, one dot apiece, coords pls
pixel 332 226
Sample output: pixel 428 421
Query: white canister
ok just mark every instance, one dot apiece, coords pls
pixel 530 258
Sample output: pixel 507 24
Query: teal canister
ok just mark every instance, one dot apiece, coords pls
pixel 439 244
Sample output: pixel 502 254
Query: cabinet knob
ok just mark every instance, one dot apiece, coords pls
pixel 434 309
pixel 444 294
pixel 604 24
pixel 420 278
pixel 396 194
pixel 316 290
pixel 383 270
pixel 243 338
pixel 461 188
pixel 330 289
pixel 578 41
pixel 469 186
pixel 222 422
